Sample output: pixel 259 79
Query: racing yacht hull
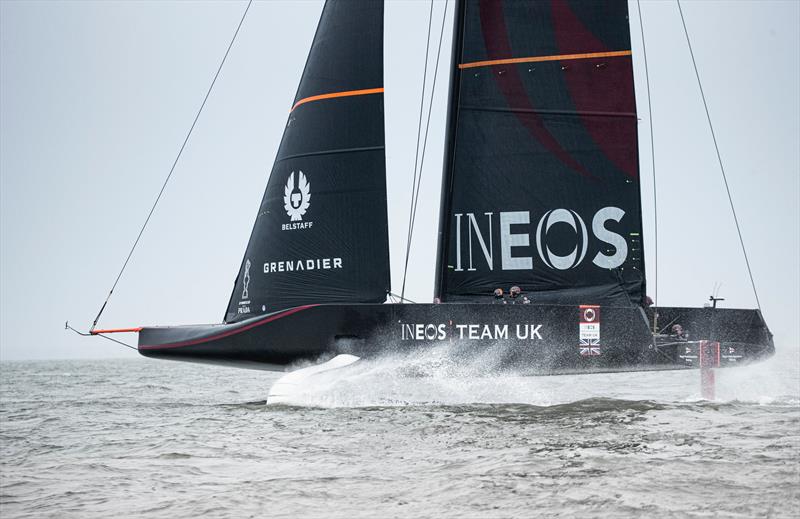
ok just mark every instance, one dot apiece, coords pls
pixel 530 338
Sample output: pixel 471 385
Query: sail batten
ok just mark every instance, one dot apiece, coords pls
pixel 333 152
pixel 544 111
pixel 542 187
pixel 334 95
pixel 540 59
pixel 321 233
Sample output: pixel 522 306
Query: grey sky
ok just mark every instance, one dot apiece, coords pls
pixel 95 98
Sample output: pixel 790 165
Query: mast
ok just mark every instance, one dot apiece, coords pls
pixel 448 166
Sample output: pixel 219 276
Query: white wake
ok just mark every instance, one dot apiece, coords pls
pixel 443 376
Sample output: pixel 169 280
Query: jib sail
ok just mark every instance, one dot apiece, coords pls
pixel 320 235
pixel 541 181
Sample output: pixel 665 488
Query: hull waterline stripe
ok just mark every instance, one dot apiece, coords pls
pixel 225 334
pixel 537 59
pixel 333 95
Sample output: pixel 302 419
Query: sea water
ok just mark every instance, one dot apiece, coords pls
pixel 423 436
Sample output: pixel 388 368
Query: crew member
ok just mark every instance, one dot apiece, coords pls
pixel 514 293
pixel 679 332
pixel 498 296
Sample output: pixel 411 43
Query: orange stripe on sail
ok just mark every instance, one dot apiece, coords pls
pixel 535 59
pixel 333 95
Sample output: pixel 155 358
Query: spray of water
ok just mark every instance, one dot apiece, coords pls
pixel 443 375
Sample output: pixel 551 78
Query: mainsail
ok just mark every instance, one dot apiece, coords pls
pixel 541 181
pixel 321 231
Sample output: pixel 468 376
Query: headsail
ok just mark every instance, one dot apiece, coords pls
pixel 321 231
pixel 541 183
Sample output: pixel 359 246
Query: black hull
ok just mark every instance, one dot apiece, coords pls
pixel 531 339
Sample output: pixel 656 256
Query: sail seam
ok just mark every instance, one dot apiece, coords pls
pixel 537 59
pixel 331 152
pixel 548 112
pixel 334 95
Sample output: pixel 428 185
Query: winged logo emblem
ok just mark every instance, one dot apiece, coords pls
pixel 297 198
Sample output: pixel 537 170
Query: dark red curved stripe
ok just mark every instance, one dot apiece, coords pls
pixel 609 89
pixel 228 333
pixel 495 37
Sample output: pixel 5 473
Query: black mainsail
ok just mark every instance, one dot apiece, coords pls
pixel 541 181
pixel 321 231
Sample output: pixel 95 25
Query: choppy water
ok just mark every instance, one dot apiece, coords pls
pixel 427 438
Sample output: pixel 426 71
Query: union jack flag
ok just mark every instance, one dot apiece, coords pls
pixel 590 346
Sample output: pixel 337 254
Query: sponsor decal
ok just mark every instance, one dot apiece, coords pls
pixel 470 332
pixel 689 353
pixel 472 241
pixel 570 218
pixel 296 225
pixel 732 353
pixel 589 330
pixel 296 200
pixel 302 265
pixel 244 303
pixel 246 279
pixel 709 353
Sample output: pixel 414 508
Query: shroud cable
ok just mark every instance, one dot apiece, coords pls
pixel 719 159
pixel 171 170
pixel 417 182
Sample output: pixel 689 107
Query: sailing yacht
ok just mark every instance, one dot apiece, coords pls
pixel 540 191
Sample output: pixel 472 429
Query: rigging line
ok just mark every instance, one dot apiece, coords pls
pixel 419 133
pixel 719 158
pixel 134 348
pixel 427 125
pixel 415 189
pixel 402 298
pixel 652 153
pixel 68 327
pixel 172 169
